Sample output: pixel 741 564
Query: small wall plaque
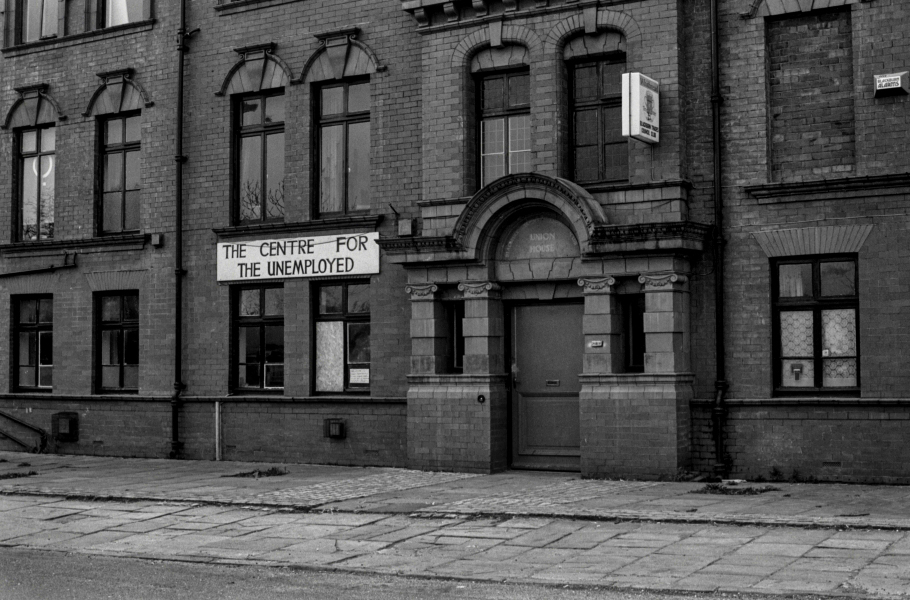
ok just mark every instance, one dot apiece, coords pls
pixel 892 83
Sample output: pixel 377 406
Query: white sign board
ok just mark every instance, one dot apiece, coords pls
pixel 348 254
pixel 640 108
pixel 892 83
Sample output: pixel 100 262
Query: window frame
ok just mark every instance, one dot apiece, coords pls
pixel 102 9
pixel 506 114
pixel 603 102
pixel 104 150
pixel 19 180
pixel 123 325
pixel 38 327
pixel 346 119
pixel 261 130
pixel 816 304
pixel 262 321
pixel 346 317
pixel 20 26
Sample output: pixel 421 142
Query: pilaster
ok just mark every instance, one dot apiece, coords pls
pixel 602 326
pixel 483 327
pixel 666 323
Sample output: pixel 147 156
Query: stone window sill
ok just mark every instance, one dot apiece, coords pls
pixel 78 38
pixel 365 222
pixel 135 241
pixel 841 188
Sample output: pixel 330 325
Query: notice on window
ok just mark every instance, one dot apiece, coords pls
pixel 640 108
pixel 359 376
pixel 324 256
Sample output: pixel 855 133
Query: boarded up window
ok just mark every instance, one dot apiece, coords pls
pixel 811 96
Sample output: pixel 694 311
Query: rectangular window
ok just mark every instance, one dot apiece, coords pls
pixel 34 343
pixel 343 337
pixel 37 167
pixel 505 125
pixel 816 327
pixel 120 174
pixel 121 12
pixel 599 151
pixel 38 21
pixel 454 313
pixel 118 342
pixel 344 147
pixel 632 307
pixel 259 338
pixel 259 148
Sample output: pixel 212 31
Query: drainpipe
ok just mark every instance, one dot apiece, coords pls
pixel 179 272
pixel 719 411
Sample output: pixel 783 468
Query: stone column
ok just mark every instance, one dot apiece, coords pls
pixel 483 328
pixel 602 326
pixel 666 323
pixel 428 329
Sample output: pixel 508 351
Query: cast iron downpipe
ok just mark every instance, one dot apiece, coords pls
pixel 719 411
pixel 179 272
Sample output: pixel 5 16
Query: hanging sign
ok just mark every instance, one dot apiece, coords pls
pixel 640 108
pixel 324 256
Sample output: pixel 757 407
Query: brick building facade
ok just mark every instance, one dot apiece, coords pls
pixel 463 263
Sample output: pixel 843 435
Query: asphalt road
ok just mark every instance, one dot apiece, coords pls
pixel 42 575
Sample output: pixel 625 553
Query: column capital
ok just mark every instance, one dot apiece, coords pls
pixel 423 291
pixel 597 285
pixel 671 281
pixel 479 289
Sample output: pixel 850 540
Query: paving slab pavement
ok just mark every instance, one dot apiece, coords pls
pixel 515 526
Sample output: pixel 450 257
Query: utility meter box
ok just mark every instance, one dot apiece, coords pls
pixel 65 426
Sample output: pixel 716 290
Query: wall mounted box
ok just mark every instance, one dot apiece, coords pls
pixel 65 426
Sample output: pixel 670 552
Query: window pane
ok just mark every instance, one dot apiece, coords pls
pixel 131 211
pixel 795 281
pixel 132 171
pixel 110 309
pixel 274 344
pixel 492 92
pixel 250 111
pixel 612 78
pixel 130 377
pixel 493 167
pixel 30 198
pixel 332 101
pixel 330 356
pixel 28 311
pixel 120 12
pixel 131 307
pixel 46 204
pixel 32 20
pixel 112 209
pixel 29 142
pixel 48 139
pixel 585 82
pixel 331 173
pixel 519 91
pixel 838 278
pixel 796 334
pixel 131 346
pixel 520 144
pixel 249 303
pixel 249 352
pixel 110 377
pixel 492 136
pixel 250 178
pixel 113 172
pixel 586 164
pixel 110 347
pixel 132 131
pixel 839 372
pixel 839 332
pixel 359 166
pixel 612 124
pixel 45 348
pixel 27 376
pixel 28 353
pixel 586 127
pixel 113 132
pixel 274 376
pixel 274 176
pixel 46 376
pixel 359 98
pixel 616 161
pixel 358 343
pixel 359 298
pixel 45 311
pixel 330 300
pixel 798 373
pixel 274 109
pixel 249 375
pixel 274 301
